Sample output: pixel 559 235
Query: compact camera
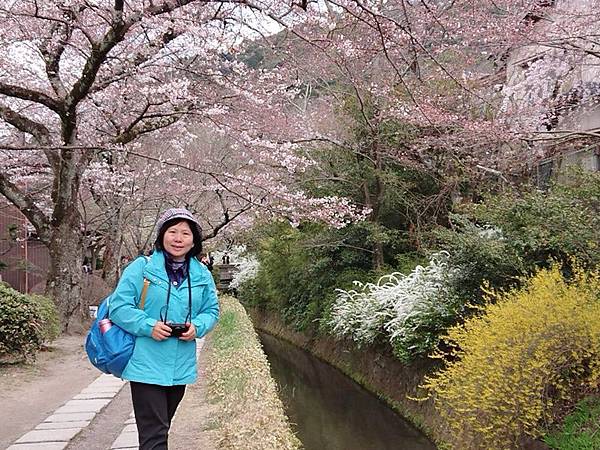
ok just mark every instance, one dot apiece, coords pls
pixel 177 329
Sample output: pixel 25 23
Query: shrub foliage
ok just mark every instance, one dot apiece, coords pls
pixel 509 366
pixel 579 430
pixel 481 254
pixel 511 235
pixel 559 224
pixel 407 310
pixel 296 279
pixel 49 317
pixel 26 322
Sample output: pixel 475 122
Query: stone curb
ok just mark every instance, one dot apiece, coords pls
pixel 57 430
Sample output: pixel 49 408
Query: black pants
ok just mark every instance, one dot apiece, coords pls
pixel 154 407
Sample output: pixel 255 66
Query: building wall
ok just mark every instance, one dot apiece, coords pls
pixel 27 259
pixel 554 168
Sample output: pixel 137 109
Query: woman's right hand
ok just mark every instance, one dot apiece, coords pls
pixel 161 331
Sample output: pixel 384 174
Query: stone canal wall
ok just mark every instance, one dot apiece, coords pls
pixel 379 373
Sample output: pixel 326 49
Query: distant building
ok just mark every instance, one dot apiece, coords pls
pixel 25 260
pixel 551 168
pixel 226 272
pixel 553 88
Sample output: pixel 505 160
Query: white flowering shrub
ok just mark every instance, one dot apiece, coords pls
pixel 410 311
pixel 357 315
pixel 246 264
pixel 234 253
pixel 247 269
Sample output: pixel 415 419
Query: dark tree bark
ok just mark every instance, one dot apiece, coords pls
pixel 66 274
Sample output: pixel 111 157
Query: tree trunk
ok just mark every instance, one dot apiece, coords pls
pixel 61 233
pixel 113 241
pixel 66 274
pixel 66 241
pixel 376 200
pixel 377 255
pixel 373 196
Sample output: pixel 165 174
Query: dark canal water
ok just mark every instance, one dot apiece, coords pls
pixel 329 411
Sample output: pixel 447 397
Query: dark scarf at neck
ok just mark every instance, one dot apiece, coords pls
pixel 176 270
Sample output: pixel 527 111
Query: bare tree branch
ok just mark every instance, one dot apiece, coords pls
pixel 26 125
pixel 31 95
pixel 52 52
pixel 27 206
pixel 227 217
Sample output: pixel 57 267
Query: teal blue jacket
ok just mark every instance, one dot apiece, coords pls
pixel 171 361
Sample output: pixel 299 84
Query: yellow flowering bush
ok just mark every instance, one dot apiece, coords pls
pixel 506 369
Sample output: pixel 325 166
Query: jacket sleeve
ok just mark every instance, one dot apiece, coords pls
pixel 123 310
pixel 206 319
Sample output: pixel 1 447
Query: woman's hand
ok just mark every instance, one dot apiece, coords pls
pixel 161 331
pixel 189 334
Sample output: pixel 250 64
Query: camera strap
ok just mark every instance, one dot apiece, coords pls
pixel 188 317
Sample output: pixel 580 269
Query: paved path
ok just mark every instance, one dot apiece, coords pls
pixel 57 430
pixel 68 421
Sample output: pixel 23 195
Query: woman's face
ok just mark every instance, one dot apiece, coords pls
pixel 178 240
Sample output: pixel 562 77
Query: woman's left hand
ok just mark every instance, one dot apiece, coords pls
pixel 189 334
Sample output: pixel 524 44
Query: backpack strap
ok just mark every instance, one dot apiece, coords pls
pixel 145 288
pixel 144 291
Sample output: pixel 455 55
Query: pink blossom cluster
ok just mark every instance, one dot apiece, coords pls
pixel 228 103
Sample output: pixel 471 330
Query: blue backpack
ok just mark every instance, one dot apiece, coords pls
pixel 108 346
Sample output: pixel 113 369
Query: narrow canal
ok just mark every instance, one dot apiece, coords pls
pixel 329 411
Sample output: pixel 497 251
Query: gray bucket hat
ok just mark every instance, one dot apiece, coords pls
pixel 177 213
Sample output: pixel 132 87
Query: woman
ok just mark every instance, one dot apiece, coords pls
pixel 208 261
pixel 181 305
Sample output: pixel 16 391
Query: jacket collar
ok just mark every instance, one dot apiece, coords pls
pixel 156 267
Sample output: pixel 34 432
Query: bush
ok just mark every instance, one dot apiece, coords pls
pixel 514 234
pixel 559 224
pixel 409 311
pixel 49 316
pixel 295 278
pixel 481 254
pixel 247 269
pixel 537 346
pixel 26 322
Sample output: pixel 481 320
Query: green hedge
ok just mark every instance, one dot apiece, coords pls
pixel 513 234
pixel 298 279
pixel 49 315
pixel 26 323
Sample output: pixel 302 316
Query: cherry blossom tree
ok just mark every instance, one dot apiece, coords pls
pixel 475 83
pixel 434 86
pixel 82 77
pixel 82 81
pixel 366 83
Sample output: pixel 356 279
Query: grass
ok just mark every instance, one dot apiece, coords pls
pixel 247 412
pixel 233 383
pixel 227 337
pixel 580 429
